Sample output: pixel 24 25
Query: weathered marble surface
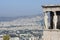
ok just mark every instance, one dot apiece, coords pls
pixel 51 35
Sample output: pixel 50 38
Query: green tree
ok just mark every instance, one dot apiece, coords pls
pixel 6 37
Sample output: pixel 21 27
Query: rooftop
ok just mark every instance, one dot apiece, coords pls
pixel 51 5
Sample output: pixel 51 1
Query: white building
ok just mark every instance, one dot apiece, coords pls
pixel 14 38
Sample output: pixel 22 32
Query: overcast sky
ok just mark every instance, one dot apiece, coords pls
pixel 14 8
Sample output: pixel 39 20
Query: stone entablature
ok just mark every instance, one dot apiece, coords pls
pixel 51 8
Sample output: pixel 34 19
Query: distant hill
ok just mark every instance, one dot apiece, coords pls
pixel 24 19
pixel 2 19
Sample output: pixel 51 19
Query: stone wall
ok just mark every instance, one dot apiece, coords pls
pixel 51 35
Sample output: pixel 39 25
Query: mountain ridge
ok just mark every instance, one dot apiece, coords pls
pixel 3 19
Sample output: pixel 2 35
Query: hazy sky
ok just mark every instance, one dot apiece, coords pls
pixel 13 8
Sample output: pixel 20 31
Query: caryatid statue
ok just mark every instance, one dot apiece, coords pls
pixel 46 21
pixel 55 20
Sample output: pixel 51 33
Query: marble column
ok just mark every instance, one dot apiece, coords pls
pixel 55 20
pixel 46 20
